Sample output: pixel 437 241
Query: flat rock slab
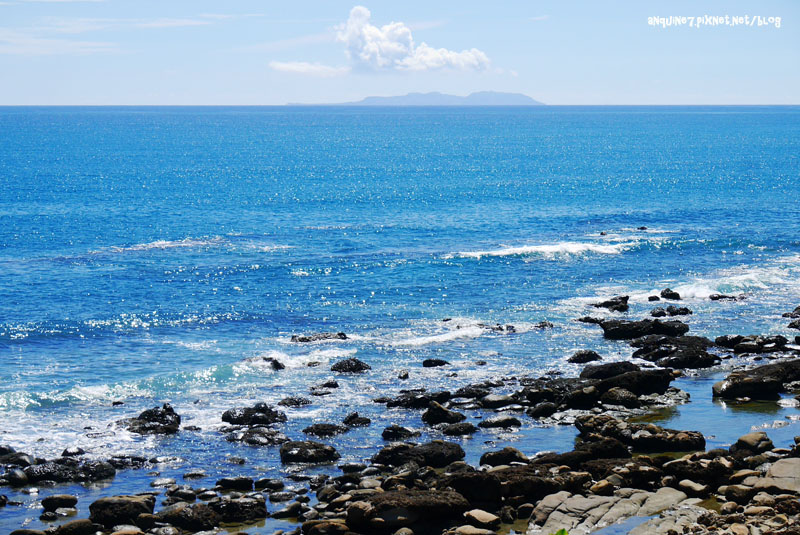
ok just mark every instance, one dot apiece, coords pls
pixel 782 476
pixel 581 515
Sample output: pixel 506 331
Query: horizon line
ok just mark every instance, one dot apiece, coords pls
pixel 373 106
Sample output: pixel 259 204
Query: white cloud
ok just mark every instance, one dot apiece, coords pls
pixel 311 69
pixel 392 47
pixel 12 42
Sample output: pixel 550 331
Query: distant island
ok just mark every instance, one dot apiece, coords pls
pixel 481 98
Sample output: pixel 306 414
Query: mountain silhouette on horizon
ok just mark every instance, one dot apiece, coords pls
pixel 480 98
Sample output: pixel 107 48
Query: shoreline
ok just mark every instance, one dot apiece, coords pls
pixel 430 481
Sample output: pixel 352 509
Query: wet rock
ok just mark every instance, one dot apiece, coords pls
pixel 615 304
pixel 627 330
pixel 78 527
pixel 258 414
pixel 189 517
pixel 406 508
pixel 639 382
pixel 610 369
pixel 582 398
pixel 459 429
pixel 658 312
pixel 620 396
pixel 56 501
pixel 73 451
pixel 258 436
pixel 605 448
pixel 236 483
pixel 269 484
pixel 782 477
pixel 666 293
pixel 642 437
pixel 158 420
pixel 354 420
pixel 16 477
pixel 351 365
pixel 437 414
pixel 794 324
pixel 672 310
pixel 14 458
pixel 496 401
pixel 652 298
pixel 722 297
pixel 115 510
pixel 307 451
pixel 317 337
pixel 584 356
pixel 396 432
pixel 762 382
pixel 239 510
pixel 471 391
pixel 418 400
pixel 436 454
pixel 501 421
pixel 482 519
pixel 434 363
pixel 294 402
pixel 793 314
pixel 507 455
pixel 542 410
pixel 325 430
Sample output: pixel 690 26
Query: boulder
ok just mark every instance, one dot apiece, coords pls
pixel 325 430
pixel 418 399
pixel 236 483
pixel 437 414
pixel 507 455
pixel 56 501
pixel 307 451
pixel 752 443
pixel 666 293
pixel 622 397
pixel 627 330
pixel 351 365
pixel 610 369
pixel 192 518
pixel 294 402
pixel 239 510
pixel 436 454
pixel 396 432
pixel 459 429
pixel 258 414
pixel 503 421
pixel 615 304
pixel 434 363
pixel 114 510
pixel 423 509
pixel 258 436
pixel 639 382
pixel 354 420
pixel 317 337
pixel 641 437
pixel 584 356
pixel 763 382
pixel 158 420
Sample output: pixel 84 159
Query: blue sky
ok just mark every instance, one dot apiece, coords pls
pixel 257 52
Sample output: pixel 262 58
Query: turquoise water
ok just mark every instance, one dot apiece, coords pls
pixel 150 254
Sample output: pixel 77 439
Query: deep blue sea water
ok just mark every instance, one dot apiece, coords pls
pixel 153 254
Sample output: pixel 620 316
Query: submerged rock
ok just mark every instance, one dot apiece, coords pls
pixel 258 436
pixel 316 337
pixel 307 451
pixel 325 430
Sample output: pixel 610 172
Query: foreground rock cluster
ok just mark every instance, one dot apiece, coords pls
pixel 620 468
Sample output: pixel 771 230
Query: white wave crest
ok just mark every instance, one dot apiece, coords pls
pixel 555 250
pixel 302 360
pixel 170 244
pixel 472 331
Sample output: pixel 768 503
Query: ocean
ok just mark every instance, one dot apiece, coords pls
pixel 157 254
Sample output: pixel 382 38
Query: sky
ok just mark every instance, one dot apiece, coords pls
pixel 248 52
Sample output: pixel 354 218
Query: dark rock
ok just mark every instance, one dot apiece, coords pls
pixel 653 298
pixel 582 398
pixel 620 396
pixel 471 391
pixel 604 448
pixel 82 526
pixel 115 510
pixel 752 443
pixel 616 304
pixel 351 365
pixel 239 510
pixel 666 293
pixel 192 518
pixel 73 451
pixel 496 401
pixel 642 437
pixel 672 310
pixel 55 501
pixel 640 383
pixel 626 330
pixel 316 337
pixel 584 356
pixel 507 455
pixel 325 430
pixel 729 340
pixel 437 414
pixel 542 410
pixel 396 432
pixel 158 420
pixel 51 471
pixel 236 483
pixel 354 420
pixel 481 489
pixel 403 508
pixel 307 451
pixel 590 319
pixel 15 458
pixel 722 297
pixel 269 484
pixel 793 314
pixel 763 382
pixel 459 429
pixel 503 421
pixel 675 351
pixel 16 477
pixel 436 454
pixel 418 400
pixel 434 363
pixel 610 369
pixel 794 324
pixel 258 414
pixel 294 402
pixel 258 436
pixel 658 312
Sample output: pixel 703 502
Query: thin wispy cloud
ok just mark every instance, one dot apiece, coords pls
pixel 310 69
pixel 19 43
pixel 293 42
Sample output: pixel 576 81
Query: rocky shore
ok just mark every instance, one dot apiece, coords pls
pixel 621 467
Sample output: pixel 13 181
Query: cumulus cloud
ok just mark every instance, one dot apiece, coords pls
pixel 392 47
pixel 311 69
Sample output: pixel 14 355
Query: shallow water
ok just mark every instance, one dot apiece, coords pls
pixel 150 254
